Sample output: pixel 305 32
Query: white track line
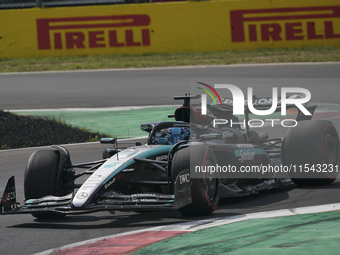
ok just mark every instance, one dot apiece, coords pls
pixel 103 109
pixel 170 68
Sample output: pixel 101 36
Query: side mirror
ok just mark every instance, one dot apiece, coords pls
pixel 108 140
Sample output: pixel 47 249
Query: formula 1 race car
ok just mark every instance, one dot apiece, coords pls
pixel 187 164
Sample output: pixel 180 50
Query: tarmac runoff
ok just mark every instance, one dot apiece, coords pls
pixel 305 230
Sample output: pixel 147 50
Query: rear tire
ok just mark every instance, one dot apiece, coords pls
pixel 315 143
pixel 205 190
pixel 41 179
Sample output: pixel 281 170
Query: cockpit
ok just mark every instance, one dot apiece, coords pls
pixel 171 135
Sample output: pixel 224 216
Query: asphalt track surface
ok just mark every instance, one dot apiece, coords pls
pixel 157 86
pixel 22 234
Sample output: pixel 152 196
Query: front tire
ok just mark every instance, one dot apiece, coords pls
pixel 42 179
pixel 204 190
pixel 311 144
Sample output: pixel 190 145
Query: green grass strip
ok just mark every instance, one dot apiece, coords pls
pixel 315 54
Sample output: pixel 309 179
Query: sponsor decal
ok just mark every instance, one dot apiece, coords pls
pixel 48 203
pixel 82 195
pixel 93 32
pixel 109 183
pixel 246 155
pixel 184 178
pixel 289 24
pixel 181 125
pixel 144 200
pixel 245 146
pixel 129 170
pixel 144 195
pixel 112 165
pixel 11 196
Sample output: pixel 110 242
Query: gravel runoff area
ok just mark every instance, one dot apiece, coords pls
pixel 21 131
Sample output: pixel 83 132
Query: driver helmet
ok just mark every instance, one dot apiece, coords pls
pixel 175 134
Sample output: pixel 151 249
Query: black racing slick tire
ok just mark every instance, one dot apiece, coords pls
pixel 41 178
pixel 204 190
pixel 312 150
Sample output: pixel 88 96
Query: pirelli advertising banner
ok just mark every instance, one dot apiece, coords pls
pixel 168 27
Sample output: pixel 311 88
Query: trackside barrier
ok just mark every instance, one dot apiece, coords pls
pixel 168 27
